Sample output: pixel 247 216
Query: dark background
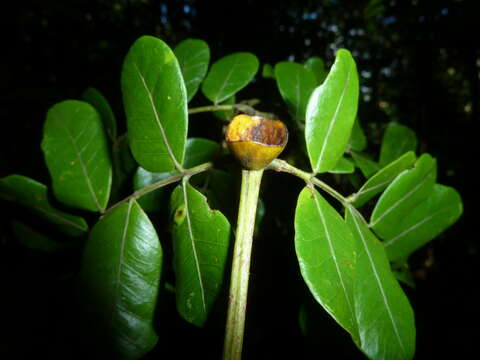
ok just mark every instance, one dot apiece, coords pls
pixel 419 65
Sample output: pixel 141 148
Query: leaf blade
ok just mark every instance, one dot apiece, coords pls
pixel 324 253
pixel 99 102
pixel 424 222
pixel 120 280
pixel 193 57
pixel 384 316
pixel 378 182
pixel 331 112
pixel 295 83
pixel 155 101
pixel 229 75
pixel 408 189
pixel 199 256
pixel 397 140
pixel 34 195
pixel 77 156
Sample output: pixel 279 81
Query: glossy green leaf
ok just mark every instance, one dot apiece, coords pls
pixel 77 155
pixel 33 240
pixel 396 141
pixel 193 56
pixel 406 191
pixel 201 239
pixel 326 253
pixel 344 166
pixel 225 115
pixel 155 101
pixel 34 195
pixel 331 113
pixel 120 278
pixel 367 166
pixel 427 220
pixel 379 182
pixel 317 67
pixel 358 140
pixel 229 75
pixel 200 151
pixel 296 84
pixel 384 316
pixel 99 102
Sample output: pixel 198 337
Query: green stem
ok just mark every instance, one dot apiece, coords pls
pixel 156 185
pixel 283 166
pixel 237 305
pixel 246 107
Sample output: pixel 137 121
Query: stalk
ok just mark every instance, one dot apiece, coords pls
pixel 237 305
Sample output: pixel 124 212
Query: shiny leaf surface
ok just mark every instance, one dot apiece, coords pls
pixel 34 196
pixel 229 75
pixel 367 166
pixel 296 84
pixel 331 112
pixel 406 191
pixel 76 152
pixel 193 56
pixel 201 239
pixel 358 140
pixel 396 141
pixel 378 182
pixel 344 166
pixel 120 278
pixel 155 101
pixel 99 102
pixel 325 250
pixel 427 220
pixel 317 67
pixel 384 316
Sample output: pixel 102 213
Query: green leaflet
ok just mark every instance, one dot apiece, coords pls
pixel 317 67
pixel 378 182
pixel 77 155
pixel 424 222
pixel 193 57
pixel 155 101
pixel 343 166
pixel 331 113
pixel 407 190
pixel 325 250
pixel 120 278
pixel 296 84
pixel 229 75
pixel 200 253
pixel 99 102
pixel 384 316
pixel 34 195
pixel 367 166
pixel 397 140
pixel 358 140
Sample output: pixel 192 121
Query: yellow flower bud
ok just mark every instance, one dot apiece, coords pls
pixel 256 140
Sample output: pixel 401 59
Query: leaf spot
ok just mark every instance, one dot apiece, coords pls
pixel 180 214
